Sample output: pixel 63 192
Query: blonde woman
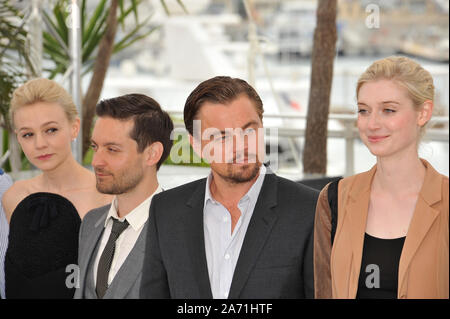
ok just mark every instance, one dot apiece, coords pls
pixel 45 211
pixel 391 238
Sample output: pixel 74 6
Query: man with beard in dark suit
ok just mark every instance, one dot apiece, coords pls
pixel 243 232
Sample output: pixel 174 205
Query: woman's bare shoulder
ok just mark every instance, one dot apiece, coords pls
pixel 87 197
pixel 90 200
pixel 101 199
pixel 14 195
pixel 94 195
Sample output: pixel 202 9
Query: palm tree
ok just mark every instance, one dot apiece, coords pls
pixel 99 43
pixel 325 36
pixel 15 68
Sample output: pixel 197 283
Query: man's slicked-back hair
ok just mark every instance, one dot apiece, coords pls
pixel 151 123
pixel 219 90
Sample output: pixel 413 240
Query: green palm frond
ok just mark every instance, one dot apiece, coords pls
pixel 166 8
pixel 15 66
pixel 93 27
pixel 14 59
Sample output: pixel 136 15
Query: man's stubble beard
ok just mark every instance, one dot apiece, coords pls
pixel 243 175
pixel 121 185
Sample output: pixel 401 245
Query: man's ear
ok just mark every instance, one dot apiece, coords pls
pixel 425 113
pixel 153 153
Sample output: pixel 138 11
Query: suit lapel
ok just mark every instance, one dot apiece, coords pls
pixel 130 269
pixel 259 228
pixel 195 240
pixel 356 212
pixel 91 243
pixel 423 218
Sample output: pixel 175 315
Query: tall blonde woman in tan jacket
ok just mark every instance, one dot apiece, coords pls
pixel 391 238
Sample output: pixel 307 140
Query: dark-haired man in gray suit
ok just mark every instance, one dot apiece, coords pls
pixel 241 233
pixel 131 139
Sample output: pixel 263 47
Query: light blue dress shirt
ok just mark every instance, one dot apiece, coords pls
pixel 223 247
pixel 5 183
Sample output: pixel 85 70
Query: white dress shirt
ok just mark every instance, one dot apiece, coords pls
pixel 221 246
pixel 125 243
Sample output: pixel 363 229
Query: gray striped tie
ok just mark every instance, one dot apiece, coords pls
pixel 104 265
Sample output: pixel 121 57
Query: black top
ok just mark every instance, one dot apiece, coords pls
pixel 43 241
pixel 378 278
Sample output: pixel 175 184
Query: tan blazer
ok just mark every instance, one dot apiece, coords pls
pixel 424 262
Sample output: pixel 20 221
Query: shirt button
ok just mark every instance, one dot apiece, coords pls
pixel 225 219
pixel 225 294
pixel 227 256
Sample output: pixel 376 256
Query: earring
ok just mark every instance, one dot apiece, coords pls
pixel 74 140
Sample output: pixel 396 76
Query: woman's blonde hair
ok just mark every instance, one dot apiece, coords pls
pixel 404 71
pixel 42 90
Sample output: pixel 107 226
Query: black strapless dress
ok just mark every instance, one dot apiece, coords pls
pixel 43 241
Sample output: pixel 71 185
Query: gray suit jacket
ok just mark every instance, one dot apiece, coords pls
pixel 127 281
pixel 275 261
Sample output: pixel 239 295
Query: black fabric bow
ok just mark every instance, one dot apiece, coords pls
pixel 43 210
